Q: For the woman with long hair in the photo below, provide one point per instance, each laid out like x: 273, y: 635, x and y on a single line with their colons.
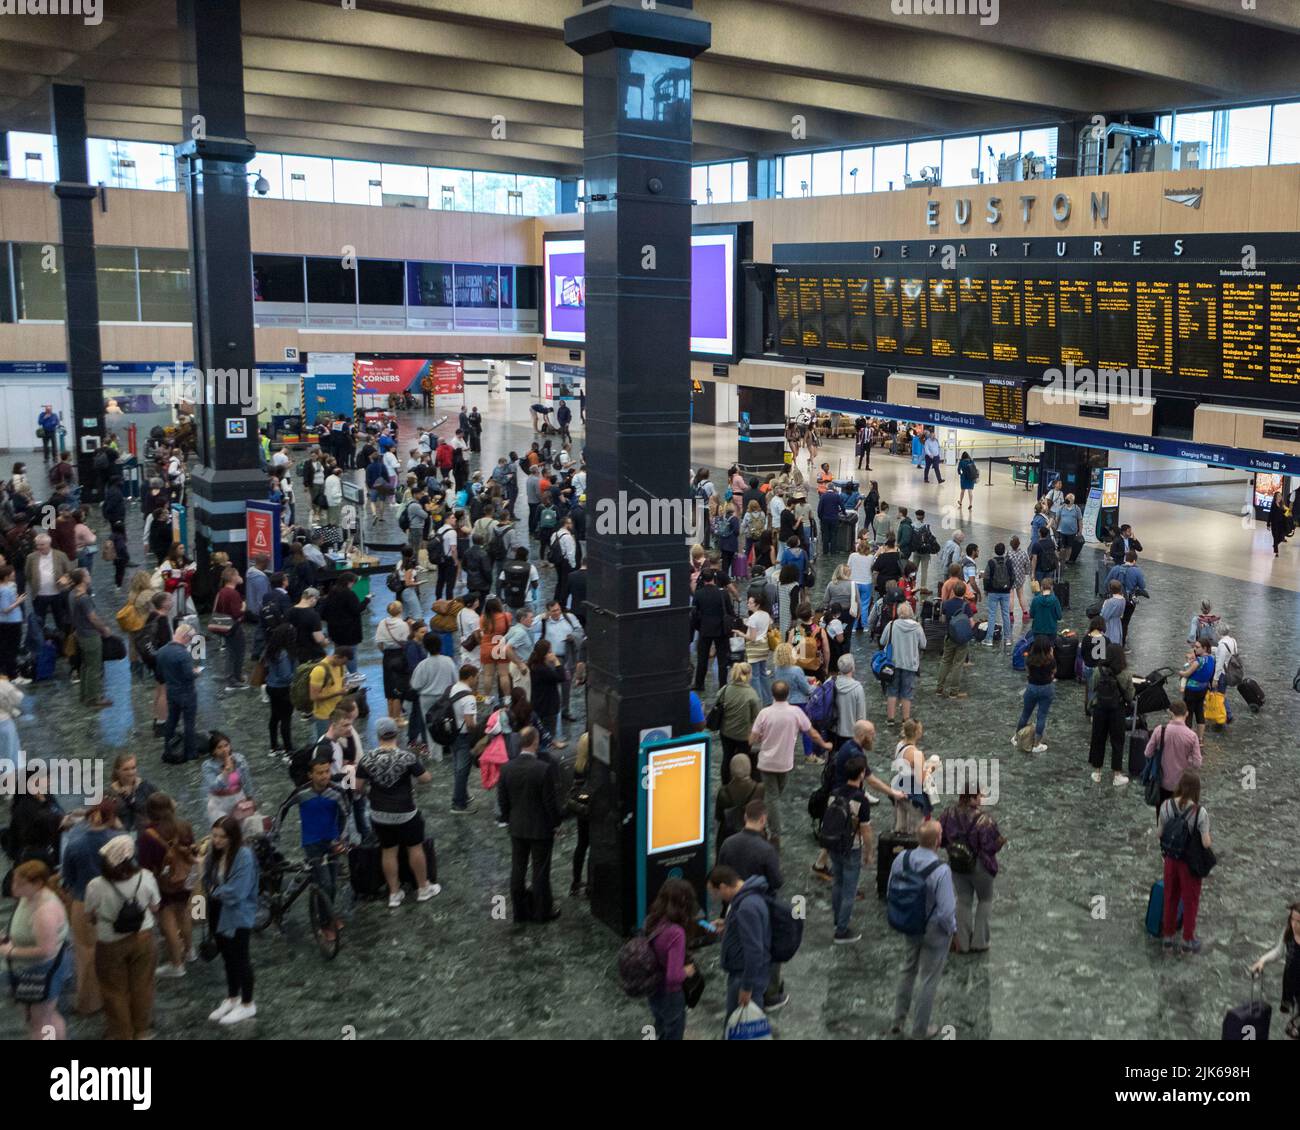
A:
x: 1182, y: 884
x: 1288, y: 948
x: 227, y: 782
x: 547, y: 676
x: 740, y: 706
x: 37, y: 950
x: 278, y: 658
x: 165, y: 847
x: 230, y: 877
x: 1040, y: 689
x: 581, y: 770
x: 391, y: 635
x: 667, y: 923
x: 967, y: 474
x: 412, y: 607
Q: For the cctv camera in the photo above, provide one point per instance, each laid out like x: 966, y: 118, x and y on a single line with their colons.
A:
x: 261, y: 186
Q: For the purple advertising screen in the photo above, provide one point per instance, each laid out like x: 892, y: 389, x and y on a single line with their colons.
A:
x: 713, y: 267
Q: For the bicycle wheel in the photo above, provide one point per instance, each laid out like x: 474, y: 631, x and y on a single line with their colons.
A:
x: 323, y: 928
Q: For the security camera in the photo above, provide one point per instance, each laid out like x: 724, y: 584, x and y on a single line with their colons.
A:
x: 261, y: 186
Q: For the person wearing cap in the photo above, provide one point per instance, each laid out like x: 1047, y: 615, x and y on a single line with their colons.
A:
x: 80, y: 863
x: 124, y: 961
x: 387, y: 773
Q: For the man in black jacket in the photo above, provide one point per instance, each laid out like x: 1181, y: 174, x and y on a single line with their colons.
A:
x: 530, y: 807
x: 750, y: 853
x: 1124, y: 541
x: 711, y: 617
x: 478, y: 569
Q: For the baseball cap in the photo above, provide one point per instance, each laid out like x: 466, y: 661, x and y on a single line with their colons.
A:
x: 386, y: 728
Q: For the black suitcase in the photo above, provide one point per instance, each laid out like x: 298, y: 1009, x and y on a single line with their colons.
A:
x: 1062, y: 590
x: 935, y: 633
x: 890, y: 844
x: 1067, y: 651
x: 1252, y: 692
x: 1137, y: 751
x: 404, y: 875
x: 1250, y: 1021
x: 367, y: 875
x: 930, y: 610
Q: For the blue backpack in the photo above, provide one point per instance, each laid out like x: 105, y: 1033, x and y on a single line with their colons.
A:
x: 907, y: 897
x: 820, y: 706
x: 1019, y: 652
x: 882, y: 663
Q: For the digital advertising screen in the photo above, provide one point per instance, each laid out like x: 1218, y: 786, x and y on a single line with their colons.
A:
x: 713, y: 293
x: 390, y: 375
x: 676, y: 794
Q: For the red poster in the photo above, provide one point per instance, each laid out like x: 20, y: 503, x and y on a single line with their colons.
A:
x: 261, y: 532
x: 448, y: 378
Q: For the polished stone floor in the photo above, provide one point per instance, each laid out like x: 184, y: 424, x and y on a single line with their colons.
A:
x: 1069, y: 957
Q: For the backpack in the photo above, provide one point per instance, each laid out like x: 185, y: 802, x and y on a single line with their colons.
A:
x: 1108, y: 692
x: 496, y: 549
x: 514, y: 586
x: 394, y: 581
x: 1046, y: 551
x: 1019, y: 652
x: 441, y: 718
x: 1205, y: 632
x: 300, y: 763
x: 130, y: 917
x: 820, y: 706
x: 555, y: 554
x: 1177, y: 836
x: 758, y: 591
x: 925, y: 541
x: 178, y: 865
x: 638, y: 967
x: 300, y: 687
x: 722, y: 526
x: 961, y: 853
x: 997, y: 578
x: 786, y: 929
x: 960, y: 629
x: 1233, y: 671
x: 839, y: 827
x: 905, y: 902
x: 547, y: 519
x: 435, y: 549
x: 271, y: 615
x: 404, y: 520
x: 755, y: 524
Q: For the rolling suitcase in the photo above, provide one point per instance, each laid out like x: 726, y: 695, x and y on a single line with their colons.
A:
x: 1067, y: 651
x: 935, y: 633
x: 1062, y: 590
x: 890, y: 844
x: 364, y: 871
x: 1137, y: 749
x: 1252, y: 692
x: 47, y: 658
x: 404, y: 875
x: 1251, y: 1020
x: 1156, y: 909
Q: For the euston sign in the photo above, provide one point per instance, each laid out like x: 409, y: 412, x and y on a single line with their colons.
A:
x: 994, y: 207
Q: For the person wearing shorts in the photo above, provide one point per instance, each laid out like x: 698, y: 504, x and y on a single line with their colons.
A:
x: 1199, y: 674
x: 905, y: 637
x: 389, y: 775
x: 494, y: 676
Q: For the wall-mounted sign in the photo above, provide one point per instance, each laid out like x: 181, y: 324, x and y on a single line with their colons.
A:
x: 575, y: 354
x: 236, y: 427
x: 721, y: 370
x: 1188, y: 197
x: 817, y: 380
x: 653, y: 588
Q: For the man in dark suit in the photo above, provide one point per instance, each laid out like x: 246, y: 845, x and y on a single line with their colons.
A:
x: 1124, y: 541
x: 711, y: 616
x: 530, y: 806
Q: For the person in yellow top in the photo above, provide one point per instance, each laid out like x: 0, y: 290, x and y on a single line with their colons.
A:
x: 328, y: 685
x: 264, y: 442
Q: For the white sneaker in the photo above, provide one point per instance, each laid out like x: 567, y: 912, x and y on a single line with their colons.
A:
x: 1096, y: 777
x: 193, y: 955
x: 21, y: 681
x: 167, y: 969
x: 396, y: 900
x: 240, y: 1013
x: 219, y: 1013
x: 428, y: 891
x: 1119, y: 779
x: 1039, y: 748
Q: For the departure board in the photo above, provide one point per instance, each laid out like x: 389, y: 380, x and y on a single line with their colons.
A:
x: 973, y: 293
x: 1196, y: 340
x: 787, y: 311
x: 1194, y: 325
x: 1076, y: 323
x: 1154, y: 325
x: 1114, y: 323
x: 945, y: 328
x: 1004, y: 403
x: 1008, y: 326
x: 914, y: 321
x: 1284, y: 333
x: 859, y: 313
x: 835, y: 313
x: 1243, y: 328
x: 885, y: 305
x: 1042, y: 341
x: 810, y: 312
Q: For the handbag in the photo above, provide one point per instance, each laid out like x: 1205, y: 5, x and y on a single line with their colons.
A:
x: 1152, y: 774
x: 220, y: 624
x: 1200, y: 860
x: 1216, y: 709
x: 713, y: 720
x: 773, y: 639
x: 257, y: 676
x: 114, y: 649
x: 693, y: 988
x: 32, y: 985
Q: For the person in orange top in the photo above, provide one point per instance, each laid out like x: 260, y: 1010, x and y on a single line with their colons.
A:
x: 824, y: 478
x: 494, y: 675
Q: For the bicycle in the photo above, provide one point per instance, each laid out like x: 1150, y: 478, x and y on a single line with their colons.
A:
x: 279, y: 887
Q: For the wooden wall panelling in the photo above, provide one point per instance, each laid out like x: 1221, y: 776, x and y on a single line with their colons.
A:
x: 1210, y: 426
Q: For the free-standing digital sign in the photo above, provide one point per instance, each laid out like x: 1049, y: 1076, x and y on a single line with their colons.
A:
x: 713, y: 292
x: 672, y: 815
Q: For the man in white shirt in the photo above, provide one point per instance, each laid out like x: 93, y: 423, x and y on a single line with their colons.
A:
x: 774, y: 509
x: 465, y: 710
x: 390, y: 467
x: 933, y: 456
x: 564, y: 633
x: 280, y: 462
x: 449, y: 563
x: 432, y: 676
x: 333, y: 499
x: 467, y: 624
x: 44, y: 568
x: 565, y: 559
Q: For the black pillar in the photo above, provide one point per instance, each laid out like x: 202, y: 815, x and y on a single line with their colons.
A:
x: 637, y: 123
x: 80, y: 286
x: 214, y: 161
x: 761, y: 424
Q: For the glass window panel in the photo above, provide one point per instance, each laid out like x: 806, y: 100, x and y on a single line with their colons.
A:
x: 309, y: 178
x: 429, y: 284
x: 961, y: 158
x: 700, y: 184
x: 826, y: 173
x: 381, y: 282
x: 115, y: 276
x: 1285, y: 144
x: 539, y: 195
x: 329, y: 281
x: 352, y: 183
x: 40, y: 291
x: 451, y: 189
x: 165, y: 285
x: 131, y: 164
x: 271, y: 166
x: 1197, y: 126
x: 739, y: 181
x: 1165, y: 124
x: 31, y: 157
x: 477, y: 296
x: 1040, y: 142
x: 798, y: 175
x: 720, y: 183
x: 1001, y: 145
x: 405, y: 180
x: 582, y: 191
x: 923, y: 154
x: 277, y: 278
x: 6, y: 294
x: 1242, y: 137
x: 519, y: 289
x: 491, y: 191
x: 856, y: 174
x: 890, y: 161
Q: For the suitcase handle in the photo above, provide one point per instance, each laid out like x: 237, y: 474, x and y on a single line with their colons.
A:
x: 1256, y: 979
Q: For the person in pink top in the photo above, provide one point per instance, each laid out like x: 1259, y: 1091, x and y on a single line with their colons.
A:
x: 673, y: 912
x: 777, y: 729
x: 1181, y: 749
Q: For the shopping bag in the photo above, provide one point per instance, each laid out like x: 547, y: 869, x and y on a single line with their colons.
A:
x: 1215, y: 708
x: 748, y: 1022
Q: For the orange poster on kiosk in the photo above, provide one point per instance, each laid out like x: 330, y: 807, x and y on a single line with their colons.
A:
x: 675, y: 801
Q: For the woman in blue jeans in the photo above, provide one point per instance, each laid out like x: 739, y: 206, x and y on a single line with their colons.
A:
x: 1040, y: 691
x: 673, y: 912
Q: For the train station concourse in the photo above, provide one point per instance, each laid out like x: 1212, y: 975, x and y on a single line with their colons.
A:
x: 632, y: 521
